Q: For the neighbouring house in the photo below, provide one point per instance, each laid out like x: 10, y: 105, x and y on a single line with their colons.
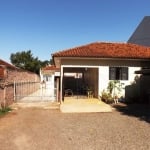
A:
x: 141, y: 36
x: 50, y: 76
x: 93, y: 66
x: 9, y: 75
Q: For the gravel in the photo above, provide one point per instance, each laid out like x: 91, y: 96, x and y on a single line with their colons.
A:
x: 49, y: 129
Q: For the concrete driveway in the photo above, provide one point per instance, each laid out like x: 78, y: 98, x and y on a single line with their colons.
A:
x: 49, y: 129
x: 82, y: 105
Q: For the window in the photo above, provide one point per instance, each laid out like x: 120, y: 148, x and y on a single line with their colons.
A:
x: 118, y: 73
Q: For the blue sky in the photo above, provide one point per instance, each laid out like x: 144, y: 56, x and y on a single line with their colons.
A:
x: 47, y: 26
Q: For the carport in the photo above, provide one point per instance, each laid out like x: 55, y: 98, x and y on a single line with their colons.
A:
x: 80, y: 80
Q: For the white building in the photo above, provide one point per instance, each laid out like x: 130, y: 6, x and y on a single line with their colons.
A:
x: 99, y: 63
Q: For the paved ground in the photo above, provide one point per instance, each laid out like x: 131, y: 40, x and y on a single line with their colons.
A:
x: 72, y: 105
x: 126, y: 128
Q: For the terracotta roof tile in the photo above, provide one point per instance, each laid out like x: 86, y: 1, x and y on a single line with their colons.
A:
x: 52, y: 67
x: 107, y: 50
x: 6, y: 64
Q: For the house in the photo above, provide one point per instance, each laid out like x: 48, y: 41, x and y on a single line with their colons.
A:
x: 9, y: 75
x: 50, y: 76
x: 93, y: 66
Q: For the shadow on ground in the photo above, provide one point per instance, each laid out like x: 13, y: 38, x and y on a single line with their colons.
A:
x: 141, y: 111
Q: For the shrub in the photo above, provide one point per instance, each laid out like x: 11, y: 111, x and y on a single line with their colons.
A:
x: 106, y: 97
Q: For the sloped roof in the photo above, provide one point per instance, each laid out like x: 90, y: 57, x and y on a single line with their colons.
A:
x: 107, y: 50
x: 141, y: 35
x: 6, y: 64
x: 3, y: 65
x: 50, y: 67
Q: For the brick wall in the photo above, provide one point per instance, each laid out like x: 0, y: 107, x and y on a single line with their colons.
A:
x: 21, y: 75
x: 9, y: 96
x: 7, y: 84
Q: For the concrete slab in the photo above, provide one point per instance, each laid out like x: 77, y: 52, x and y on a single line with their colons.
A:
x: 71, y: 105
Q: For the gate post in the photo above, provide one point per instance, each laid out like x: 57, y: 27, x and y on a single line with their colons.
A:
x: 14, y: 91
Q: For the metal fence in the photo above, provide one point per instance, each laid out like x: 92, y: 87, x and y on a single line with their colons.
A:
x: 28, y: 91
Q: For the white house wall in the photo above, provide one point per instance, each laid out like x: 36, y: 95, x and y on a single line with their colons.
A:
x: 49, y: 83
x: 104, y: 62
x: 103, y: 69
x: 132, y: 74
x: 104, y: 78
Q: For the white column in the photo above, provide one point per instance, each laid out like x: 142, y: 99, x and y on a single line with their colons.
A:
x: 57, y: 89
x: 61, y: 83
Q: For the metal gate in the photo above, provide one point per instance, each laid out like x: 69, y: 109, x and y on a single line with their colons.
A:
x: 28, y: 91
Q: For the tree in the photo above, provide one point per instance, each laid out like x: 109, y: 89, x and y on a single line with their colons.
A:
x: 25, y: 60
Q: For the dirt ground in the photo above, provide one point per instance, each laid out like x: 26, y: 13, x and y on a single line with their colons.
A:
x: 126, y: 128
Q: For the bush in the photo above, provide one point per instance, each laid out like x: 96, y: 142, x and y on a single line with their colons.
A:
x: 106, y: 97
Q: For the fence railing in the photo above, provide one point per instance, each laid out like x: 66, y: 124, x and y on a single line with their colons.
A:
x: 34, y: 91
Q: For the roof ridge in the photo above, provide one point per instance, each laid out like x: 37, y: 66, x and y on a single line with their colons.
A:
x: 79, y: 46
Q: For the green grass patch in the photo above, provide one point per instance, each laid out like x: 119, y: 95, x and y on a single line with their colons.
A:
x: 4, y: 111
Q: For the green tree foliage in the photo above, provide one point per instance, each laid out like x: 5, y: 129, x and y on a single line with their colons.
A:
x: 26, y: 60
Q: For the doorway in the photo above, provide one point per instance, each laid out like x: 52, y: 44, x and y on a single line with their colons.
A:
x: 79, y: 81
